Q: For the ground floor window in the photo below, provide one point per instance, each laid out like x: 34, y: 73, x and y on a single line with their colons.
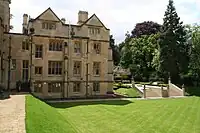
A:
x: 55, y: 67
x: 54, y: 87
x: 76, y: 87
x: 38, y: 70
x: 96, y: 87
x: 38, y: 87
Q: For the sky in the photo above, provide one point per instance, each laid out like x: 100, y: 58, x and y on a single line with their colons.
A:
x: 119, y: 16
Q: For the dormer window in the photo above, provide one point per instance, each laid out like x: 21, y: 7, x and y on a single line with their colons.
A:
x: 94, y: 31
x: 49, y: 25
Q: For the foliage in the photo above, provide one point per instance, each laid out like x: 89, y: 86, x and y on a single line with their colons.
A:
x: 145, y: 28
x: 193, y: 91
x: 138, y: 55
x: 173, y: 48
x: 115, y: 51
x: 177, y: 54
x: 127, y: 40
x: 195, y: 52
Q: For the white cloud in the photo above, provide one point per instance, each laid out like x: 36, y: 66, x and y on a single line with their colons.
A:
x: 120, y: 16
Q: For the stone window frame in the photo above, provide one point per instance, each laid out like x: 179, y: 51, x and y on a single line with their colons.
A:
x: 77, y: 47
x: 96, y: 86
x: 96, y: 68
x: 77, y: 87
x: 55, y: 67
x: 38, y: 51
x: 55, y: 87
x: 94, y: 31
x: 55, y: 46
x: 38, y: 87
x: 49, y: 25
x: 14, y: 64
x: 77, y: 68
x: 25, y: 45
x: 97, y: 48
x: 38, y: 70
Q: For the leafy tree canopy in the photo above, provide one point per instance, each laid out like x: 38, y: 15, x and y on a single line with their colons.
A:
x: 145, y: 28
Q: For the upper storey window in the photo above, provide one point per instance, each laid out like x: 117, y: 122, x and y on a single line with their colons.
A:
x: 94, y: 31
x: 49, y: 25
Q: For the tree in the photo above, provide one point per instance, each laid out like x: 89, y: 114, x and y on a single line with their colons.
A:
x: 126, y: 41
x: 194, y: 32
x: 115, y: 51
x: 138, y: 55
x: 173, y: 48
x: 145, y: 28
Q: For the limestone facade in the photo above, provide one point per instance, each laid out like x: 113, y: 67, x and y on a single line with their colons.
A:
x: 61, y: 54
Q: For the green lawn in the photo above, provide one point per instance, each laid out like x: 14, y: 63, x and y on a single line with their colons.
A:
x: 137, y: 116
x: 130, y: 92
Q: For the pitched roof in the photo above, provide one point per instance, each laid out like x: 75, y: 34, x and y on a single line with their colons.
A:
x: 94, y: 15
x: 31, y: 20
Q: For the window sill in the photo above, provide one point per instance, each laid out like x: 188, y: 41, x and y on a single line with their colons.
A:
x: 54, y: 93
x: 54, y: 51
x: 38, y: 75
x: 76, y: 93
x: 77, y: 75
x: 24, y: 50
x: 96, y: 91
x: 53, y: 75
x: 77, y: 53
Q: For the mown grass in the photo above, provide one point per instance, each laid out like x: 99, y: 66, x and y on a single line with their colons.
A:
x: 129, y: 92
x: 42, y: 118
x: 137, y: 116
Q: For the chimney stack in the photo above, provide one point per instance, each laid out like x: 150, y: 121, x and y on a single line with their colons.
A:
x: 25, y: 19
x: 25, y: 23
x: 82, y: 17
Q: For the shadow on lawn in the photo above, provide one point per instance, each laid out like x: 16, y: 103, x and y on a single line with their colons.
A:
x: 88, y: 103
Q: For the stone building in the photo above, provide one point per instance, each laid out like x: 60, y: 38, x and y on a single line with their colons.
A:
x: 58, y: 58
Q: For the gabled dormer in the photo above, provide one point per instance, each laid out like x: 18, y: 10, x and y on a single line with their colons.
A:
x: 48, y: 19
x: 47, y: 23
x: 93, y: 26
x: 94, y: 21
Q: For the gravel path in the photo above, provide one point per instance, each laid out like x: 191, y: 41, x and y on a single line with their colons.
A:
x: 12, y: 114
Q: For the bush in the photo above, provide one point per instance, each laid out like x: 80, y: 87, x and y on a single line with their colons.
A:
x: 120, y: 85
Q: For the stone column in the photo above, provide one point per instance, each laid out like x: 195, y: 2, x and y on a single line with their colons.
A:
x: 169, y: 80
x: 162, y: 90
x: 183, y: 89
x: 168, y: 91
x: 144, y: 91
